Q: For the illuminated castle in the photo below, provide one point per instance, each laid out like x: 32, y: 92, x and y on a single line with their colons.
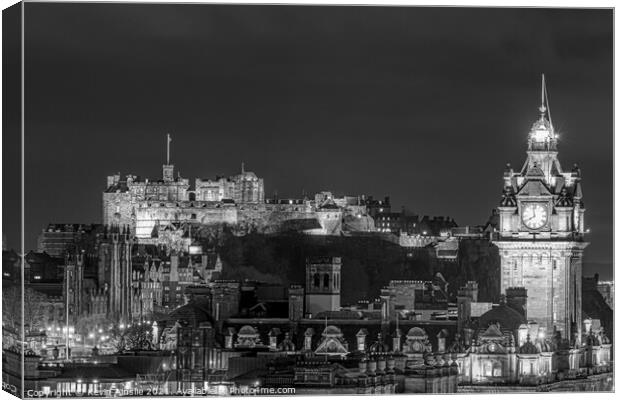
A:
x: 150, y: 206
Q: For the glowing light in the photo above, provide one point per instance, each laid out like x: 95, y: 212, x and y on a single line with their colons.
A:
x: 122, y: 326
x: 540, y: 135
x: 100, y: 330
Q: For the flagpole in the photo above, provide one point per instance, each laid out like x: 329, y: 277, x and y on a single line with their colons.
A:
x: 168, y: 149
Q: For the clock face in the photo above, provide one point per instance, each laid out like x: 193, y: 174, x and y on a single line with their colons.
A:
x: 534, y: 215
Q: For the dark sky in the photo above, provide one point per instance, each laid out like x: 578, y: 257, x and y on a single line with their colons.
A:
x: 424, y: 105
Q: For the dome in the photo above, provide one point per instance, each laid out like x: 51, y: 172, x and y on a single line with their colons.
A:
x: 544, y: 346
x: 193, y: 313
x: 287, y: 344
x: 603, y: 338
x: 379, y: 346
x: 528, y: 347
x: 247, y: 330
x: 592, y: 340
x: 332, y: 331
x: 542, y: 124
x: 507, y: 317
x: 416, y: 333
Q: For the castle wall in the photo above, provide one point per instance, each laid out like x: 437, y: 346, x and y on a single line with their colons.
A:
x: 267, y: 218
x: 149, y: 214
x: 117, y: 208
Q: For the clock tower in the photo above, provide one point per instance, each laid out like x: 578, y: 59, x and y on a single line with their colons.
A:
x: 541, y: 231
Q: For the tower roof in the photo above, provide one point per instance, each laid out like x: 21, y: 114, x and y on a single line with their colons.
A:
x: 534, y: 187
x: 528, y: 347
x: 506, y: 316
x: 542, y: 136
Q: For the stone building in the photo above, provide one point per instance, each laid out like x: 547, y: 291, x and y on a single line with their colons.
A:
x: 122, y: 197
x: 57, y: 239
x: 245, y: 187
x: 420, y: 300
x: 541, y: 232
x: 323, y: 284
x: 115, y: 270
x: 149, y: 206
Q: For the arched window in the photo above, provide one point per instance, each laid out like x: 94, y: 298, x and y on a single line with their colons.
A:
x: 497, y: 368
x: 490, y: 368
x: 317, y: 280
x: 326, y: 281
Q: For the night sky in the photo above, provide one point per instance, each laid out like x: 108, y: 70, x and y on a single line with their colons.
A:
x: 424, y: 105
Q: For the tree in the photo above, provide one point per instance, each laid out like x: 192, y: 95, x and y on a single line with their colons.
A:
x: 137, y: 337
x: 34, y: 305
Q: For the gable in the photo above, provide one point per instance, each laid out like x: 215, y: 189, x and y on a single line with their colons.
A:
x: 331, y: 346
x: 534, y: 188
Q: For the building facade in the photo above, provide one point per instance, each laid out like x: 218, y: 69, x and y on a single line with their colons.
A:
x: 541, y: 232
x: 323, y: 284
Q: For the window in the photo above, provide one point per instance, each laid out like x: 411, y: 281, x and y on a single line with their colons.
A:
x: 317, y: 280
x: 492, y: 368
x: 326, y: 281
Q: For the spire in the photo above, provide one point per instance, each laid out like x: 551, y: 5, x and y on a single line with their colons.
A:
x: 545, y: 102
x: 542, y: 136
x: 242, y: 167
x: 543, y: 90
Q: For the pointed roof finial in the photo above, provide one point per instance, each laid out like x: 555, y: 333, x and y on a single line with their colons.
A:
x: 242, y: 167
x: 543, y: 91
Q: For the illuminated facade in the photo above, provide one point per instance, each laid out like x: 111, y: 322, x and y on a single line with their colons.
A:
x: 541, y: 232
x: 323, y: 284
